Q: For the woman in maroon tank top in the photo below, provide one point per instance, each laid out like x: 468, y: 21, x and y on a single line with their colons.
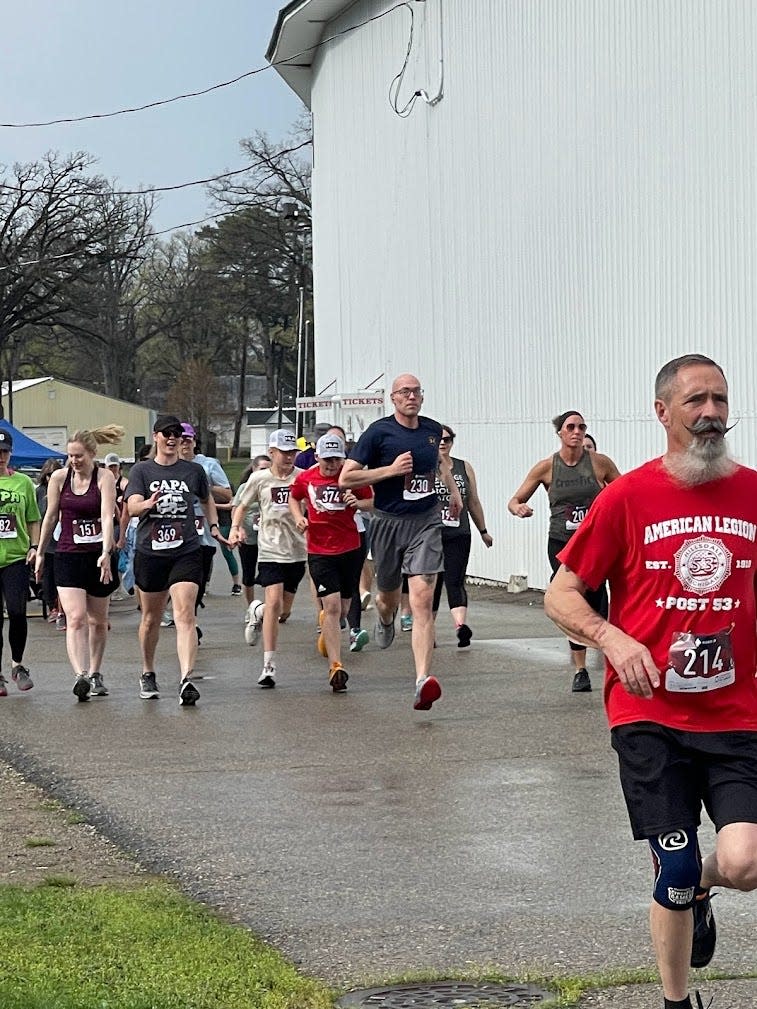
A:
x: 82, y: 497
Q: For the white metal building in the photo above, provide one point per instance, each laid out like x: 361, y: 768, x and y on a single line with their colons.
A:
x: 570, y: 203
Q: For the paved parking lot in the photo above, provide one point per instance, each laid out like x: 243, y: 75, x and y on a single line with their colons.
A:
x: 362, y: 838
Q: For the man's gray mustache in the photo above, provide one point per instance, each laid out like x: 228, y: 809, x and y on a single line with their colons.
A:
x: 704, y: 426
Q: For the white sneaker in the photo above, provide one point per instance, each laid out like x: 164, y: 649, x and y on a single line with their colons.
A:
x: 254, y: 625
x: 267, y: 678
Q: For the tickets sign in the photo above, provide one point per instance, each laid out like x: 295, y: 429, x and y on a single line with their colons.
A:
x: 315, y: 403
x: 351, y: 400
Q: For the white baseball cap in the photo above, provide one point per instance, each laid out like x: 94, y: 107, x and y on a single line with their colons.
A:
x: 283, y: 440
x: 330, y: 446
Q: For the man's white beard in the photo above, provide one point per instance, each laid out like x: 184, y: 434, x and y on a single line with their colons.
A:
x: 704, y: 460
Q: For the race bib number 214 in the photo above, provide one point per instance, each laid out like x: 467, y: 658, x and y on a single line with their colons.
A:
x: 698, y: 663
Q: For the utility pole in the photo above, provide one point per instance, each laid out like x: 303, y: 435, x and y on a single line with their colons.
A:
x: 300, y: 217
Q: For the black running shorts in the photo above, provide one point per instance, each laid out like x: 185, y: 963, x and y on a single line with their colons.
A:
x: 158, y: 574
x: 79, y: 570
x: 336, y: 573
x: 667, y: 775
x: 289, y: 575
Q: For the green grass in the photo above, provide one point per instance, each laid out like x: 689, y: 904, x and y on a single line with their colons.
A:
x: 234, y: 469
x: 39, y: 842
x: 59, y: 881
x: 67, y: 946
x: 98, y: 948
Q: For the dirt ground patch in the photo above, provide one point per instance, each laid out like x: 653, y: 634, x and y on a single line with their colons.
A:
x: 40, y: 840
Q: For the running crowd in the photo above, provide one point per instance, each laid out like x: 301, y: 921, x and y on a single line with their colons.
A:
x: 655, y: 568
x: 401, y: 503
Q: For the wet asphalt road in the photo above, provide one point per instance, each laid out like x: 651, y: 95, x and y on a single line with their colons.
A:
x: 362, y: 838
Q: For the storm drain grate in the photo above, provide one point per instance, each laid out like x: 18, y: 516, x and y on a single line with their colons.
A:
x: 452, y: 994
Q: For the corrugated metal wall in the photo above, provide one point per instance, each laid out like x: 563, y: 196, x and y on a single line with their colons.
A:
x: 578, y: 209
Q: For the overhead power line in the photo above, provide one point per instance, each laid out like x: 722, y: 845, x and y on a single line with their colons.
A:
x: 155, y: 189
x: 213, y: 87
x: 154, y: 234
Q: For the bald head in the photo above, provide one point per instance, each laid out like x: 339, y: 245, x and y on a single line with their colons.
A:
x: 406, y: 381
x: 407, y: 398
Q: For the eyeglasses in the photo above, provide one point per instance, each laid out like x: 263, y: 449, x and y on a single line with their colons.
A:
x: 575, y: 427
x: 406, y: 393
x: 187, y: 437
x: 171, y: 432
x: 445, y: 441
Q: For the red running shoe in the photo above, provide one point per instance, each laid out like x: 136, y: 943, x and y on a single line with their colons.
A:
x: 427, y: 691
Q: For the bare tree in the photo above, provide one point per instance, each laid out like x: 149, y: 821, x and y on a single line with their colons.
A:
x: 278, y: 172
x: 194, y: 395
x: 52, y: 236
x: 104, y: 300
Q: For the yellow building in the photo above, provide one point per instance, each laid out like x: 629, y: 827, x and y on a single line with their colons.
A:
x: 49, y: 411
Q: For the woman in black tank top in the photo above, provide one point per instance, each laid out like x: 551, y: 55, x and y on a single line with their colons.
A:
x: 456, y: 535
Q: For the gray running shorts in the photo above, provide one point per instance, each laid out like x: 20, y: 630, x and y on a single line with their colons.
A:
x: 405, y: 545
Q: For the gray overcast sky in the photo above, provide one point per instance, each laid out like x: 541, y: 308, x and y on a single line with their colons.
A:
x: 76, y: 57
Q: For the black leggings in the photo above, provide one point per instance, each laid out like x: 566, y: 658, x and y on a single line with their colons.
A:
x: 208, y: 553
x: 14, y: 592
x: 355, y: 614
x: 456, y: 554
x: 596, y: 598
x: 49, y: 591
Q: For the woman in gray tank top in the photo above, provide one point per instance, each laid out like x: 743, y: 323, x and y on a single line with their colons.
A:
x: 572, y: 478
x: 456, y: 535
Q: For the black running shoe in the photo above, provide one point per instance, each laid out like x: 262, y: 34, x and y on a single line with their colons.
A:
x: 705, y: 933
x: 581, y: 682
x: 267, y: 679
x: 148, y: 687
x: 189, y: 695
x: 82, y: 687
x: 20, y: 676
x: 464, y: 634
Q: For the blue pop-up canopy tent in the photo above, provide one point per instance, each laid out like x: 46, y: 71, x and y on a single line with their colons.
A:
x: 27, y: 451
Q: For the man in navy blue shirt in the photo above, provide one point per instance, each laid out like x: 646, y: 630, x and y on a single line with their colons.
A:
x: 398, y: 456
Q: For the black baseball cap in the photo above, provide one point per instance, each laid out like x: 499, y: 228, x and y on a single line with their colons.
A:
x: 166, y: 420
x: 6, y: 439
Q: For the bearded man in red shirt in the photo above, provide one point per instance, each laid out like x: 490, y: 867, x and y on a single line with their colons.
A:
x: 677, y: 541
